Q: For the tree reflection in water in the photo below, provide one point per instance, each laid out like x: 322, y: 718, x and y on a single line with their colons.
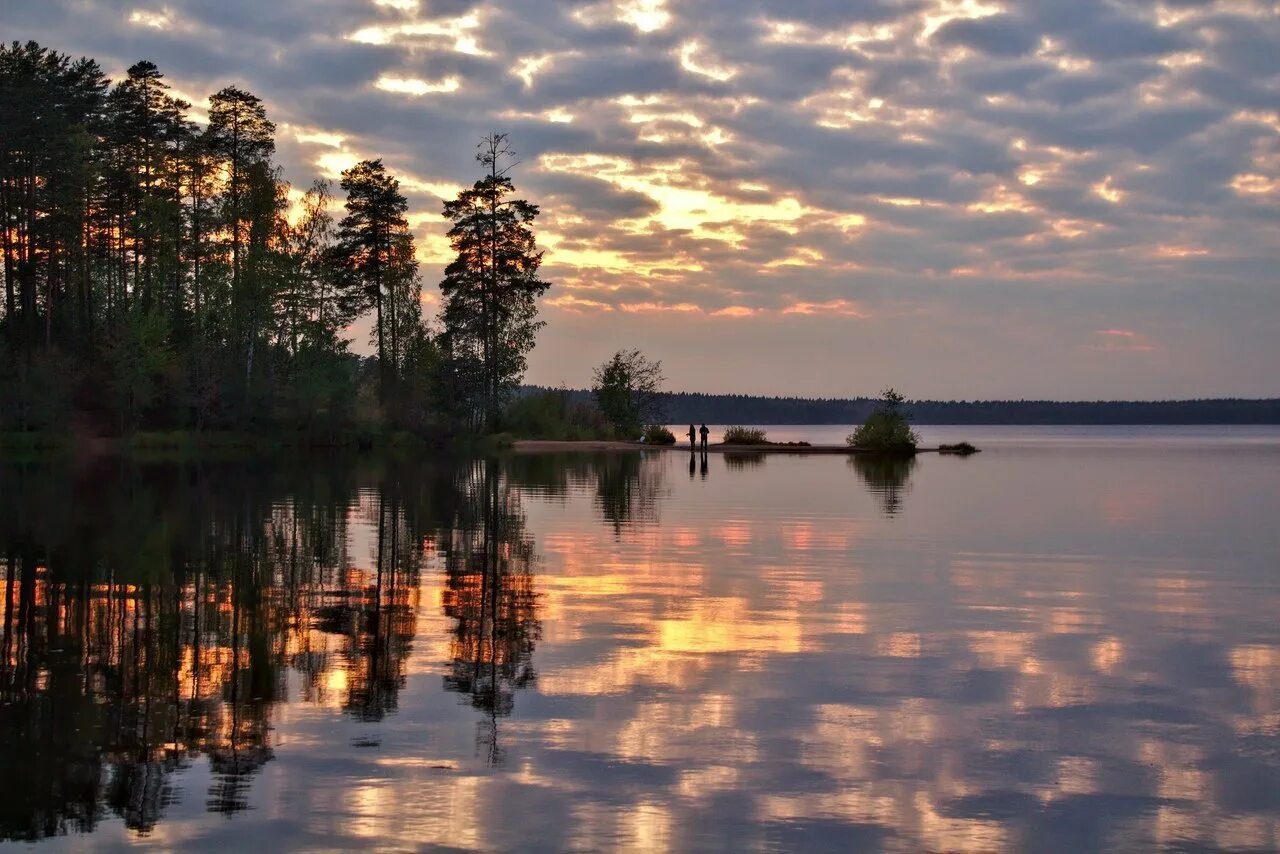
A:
x: 488, y: 561
x: 888, y: 478
x: 154, y: 615
x: 151, y: 615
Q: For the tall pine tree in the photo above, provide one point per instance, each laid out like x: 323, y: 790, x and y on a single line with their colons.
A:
x: 491, y: 288
x: 376, y: 264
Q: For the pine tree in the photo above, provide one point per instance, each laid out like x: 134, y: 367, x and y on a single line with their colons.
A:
x: 375, y: 261
x: 238, y: 139
x: 491, y: 289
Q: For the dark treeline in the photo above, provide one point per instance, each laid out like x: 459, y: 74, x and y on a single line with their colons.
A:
x: 158, y: 273
x: 692, y: 407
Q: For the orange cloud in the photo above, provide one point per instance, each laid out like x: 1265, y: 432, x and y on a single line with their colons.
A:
x: 568, y: 302
x: 1122, y: 341
x: 841, y: 307
x: 645, y: 307
x: 736, y: 311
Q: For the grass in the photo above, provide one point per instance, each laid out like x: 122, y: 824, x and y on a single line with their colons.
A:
x: 745, y: 436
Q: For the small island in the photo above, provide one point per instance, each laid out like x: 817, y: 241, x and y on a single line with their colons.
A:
x: 624, y: 402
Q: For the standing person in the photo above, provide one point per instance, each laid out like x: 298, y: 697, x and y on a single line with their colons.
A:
x: 704, y: 433
x: 693, y: 441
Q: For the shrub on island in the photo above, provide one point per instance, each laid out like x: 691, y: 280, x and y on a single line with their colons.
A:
x: 745, y: 436
x: 963, y: 449
x: 887, y: 429
x: 656, y: 434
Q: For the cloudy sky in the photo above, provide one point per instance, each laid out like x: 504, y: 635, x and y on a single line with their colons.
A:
x: 963, y: 198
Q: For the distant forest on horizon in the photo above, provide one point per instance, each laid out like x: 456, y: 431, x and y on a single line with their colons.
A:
x: 682, y: 407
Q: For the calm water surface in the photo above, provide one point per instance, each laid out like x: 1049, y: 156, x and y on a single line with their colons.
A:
x: 1069, y: 642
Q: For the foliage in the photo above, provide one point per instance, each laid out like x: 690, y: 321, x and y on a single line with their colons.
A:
x: 963, y: 449
x: 745, y: 436
x: 552, y: 415
x: 153, y: 279
x: 656, y: 434
x: 626, y: 388
x: 887, y: 429
x: 140, y: 361
x: 376, y: 268
x: 490, y: 288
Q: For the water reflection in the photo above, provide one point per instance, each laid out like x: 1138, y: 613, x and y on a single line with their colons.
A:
x: 150, y: 616
x: 611, y: 656
x: 744, y: 460
x: 888, y: 478
x: 490, y: 596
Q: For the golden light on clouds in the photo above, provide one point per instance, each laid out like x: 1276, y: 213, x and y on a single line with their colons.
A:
x: 308, y: 136
x: 1108, y: 192
x: 161, y: 20
x: 1255, y: 185
x: 334, y: 163
x: 801, y: 257
x: 1169, y: 251
x: 458, y: 32
x: 417, y: 86
x: 646, y: 16
x: 693, y: 60
x: 703, y: 212
x: 837, y: 307
x: 659, y: 307
x: 945, y: 11
x: 570, y: 302
x: 1001, y: 199
x: 752, y: 185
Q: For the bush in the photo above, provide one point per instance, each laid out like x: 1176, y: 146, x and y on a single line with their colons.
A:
x: 964, y: 449
x: 656, y: 434
x: 551, y: 415
x: 744, y: 436
x: 887, y: 429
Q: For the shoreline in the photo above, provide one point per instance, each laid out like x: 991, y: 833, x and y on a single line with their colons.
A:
x: 546, y: 446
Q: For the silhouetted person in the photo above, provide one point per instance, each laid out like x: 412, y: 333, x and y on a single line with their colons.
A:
x: 704, y: 432
x: 693, y: 439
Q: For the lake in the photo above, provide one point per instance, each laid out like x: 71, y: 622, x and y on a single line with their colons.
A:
x: 1069, y: 642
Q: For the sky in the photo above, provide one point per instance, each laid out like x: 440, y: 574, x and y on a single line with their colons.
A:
x: 960, y: 198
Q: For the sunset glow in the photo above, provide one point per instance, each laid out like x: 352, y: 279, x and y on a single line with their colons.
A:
x: 935, y: 165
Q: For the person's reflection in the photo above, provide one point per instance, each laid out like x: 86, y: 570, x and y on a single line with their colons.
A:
x: 704, y: 465
x: 693, y: 464
x: 887, y: 478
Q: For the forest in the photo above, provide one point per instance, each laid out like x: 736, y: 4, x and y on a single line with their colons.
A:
x: 693, y: 407
x: 161, y: 275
